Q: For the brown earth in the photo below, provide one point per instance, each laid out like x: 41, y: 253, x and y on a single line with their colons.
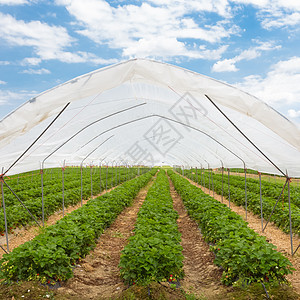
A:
x: 97, y: 276
x: 202, y: 277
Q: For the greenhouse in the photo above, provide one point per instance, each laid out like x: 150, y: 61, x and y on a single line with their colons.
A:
x: 124, y: 121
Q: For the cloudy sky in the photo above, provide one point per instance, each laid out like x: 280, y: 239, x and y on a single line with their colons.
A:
x: 252, y: 44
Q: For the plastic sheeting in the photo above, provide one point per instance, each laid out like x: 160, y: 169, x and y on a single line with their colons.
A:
x: 150, y: 113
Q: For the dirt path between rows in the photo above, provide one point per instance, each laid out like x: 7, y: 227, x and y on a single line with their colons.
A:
x: 97, y: 276
x: 27, y: 233
x: 202, y: 277
x: 272, y: 233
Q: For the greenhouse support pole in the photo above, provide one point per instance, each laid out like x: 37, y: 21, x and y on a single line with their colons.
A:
x: 91, y: 167
x: 244, y: 135
x: 127, y: 172
x: 117, y: 173
x: 261, y: 208
x: 63, y: 189
x: 296, y: 249
x: 245, y: 170
x: 290, y: 216
x: 212, y: 183
x: 209, y: 181
x: 276, y: 204
x: 229, y: 186
x: 197, y: 176
x: 112, y: 174
x: 43, y: 206
x: 21, y: 202
x: 37, y: 138
x: 81, y: 183
x: 106, y: 177
x: 100, y: 176
x: 201, y: 175
x: 204, y: 179
x: 222, y: 183
x: 4, y: 212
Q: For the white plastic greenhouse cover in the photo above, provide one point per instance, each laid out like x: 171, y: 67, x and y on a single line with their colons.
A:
x: 151, y: 113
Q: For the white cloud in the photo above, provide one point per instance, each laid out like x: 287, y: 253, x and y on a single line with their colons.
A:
x: 228, y: 65
x: 281, y: 85
x: 154, y: 28
x: 38, y: 71
x: 294, y: 113
x: 220, y: 7
x: 2, y: 82
x: 8, y: 97
x: 4, y: 63
x: 225, y: 65
x: 48, y: 42
x: 13, y: 2
x: 31, y: 61
x: 275, y: 13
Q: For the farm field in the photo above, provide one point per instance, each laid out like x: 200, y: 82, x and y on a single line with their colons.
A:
x: 273, y: 234
x: 270, y: 194
x: 191, y: 266
x: 61, y: 188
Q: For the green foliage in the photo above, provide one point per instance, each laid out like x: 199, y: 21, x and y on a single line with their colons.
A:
x: 51, y: 254
x: 154, y: 252
x: 28, y: 189
x: 270, y: 194
x: 243, y: 255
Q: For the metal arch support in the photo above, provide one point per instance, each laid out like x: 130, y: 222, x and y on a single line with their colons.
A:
x: 21, y: 202
x: 38, y: 137
x: 222, y: 179
x: 290, y: 217
x: 276, y: 204
x: 4, y: 212
x: 245, y: 136
x: 261, y: 206
x: 87, y: 126
x: 228, y: 186
x: 245, y: 170
x: 166, y: 118
x: 86, y: 158
x: 63, y: 188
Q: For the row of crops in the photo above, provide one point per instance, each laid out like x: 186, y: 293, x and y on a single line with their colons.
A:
x: 235, y: 190
x: 243, y: 255
x: 154, y: 252
x: 61, y: 188
x: 52, y: 254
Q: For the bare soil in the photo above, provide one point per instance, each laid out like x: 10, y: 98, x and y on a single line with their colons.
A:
x: 97, y: 276
x: 272, y: 233
x: 202, y: 277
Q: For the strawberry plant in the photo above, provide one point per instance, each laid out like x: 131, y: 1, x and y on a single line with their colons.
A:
x: 52, y: 253
x: 29, y: 191
x: 237, y: 195
x: 243, y: 255
x: 154, y: 252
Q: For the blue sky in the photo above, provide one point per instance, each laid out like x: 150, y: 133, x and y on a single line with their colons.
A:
x: 251, y: 44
